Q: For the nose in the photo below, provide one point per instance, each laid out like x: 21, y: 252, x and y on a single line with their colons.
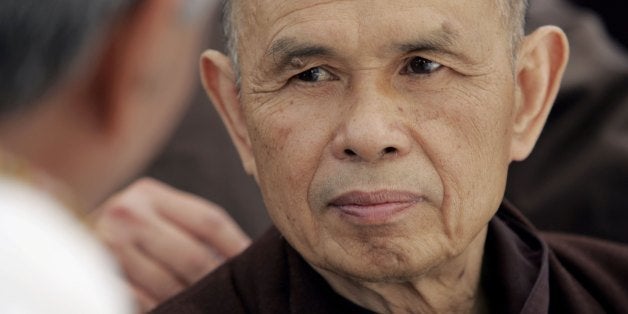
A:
x: 371, y: 131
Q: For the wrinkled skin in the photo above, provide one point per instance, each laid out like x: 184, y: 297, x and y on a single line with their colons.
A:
x: 381, y: 132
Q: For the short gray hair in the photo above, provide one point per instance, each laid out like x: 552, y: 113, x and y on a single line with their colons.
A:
x: 41, y: 40
x: 231, y: 35
x: 514, y: 16
x: 513, y: 12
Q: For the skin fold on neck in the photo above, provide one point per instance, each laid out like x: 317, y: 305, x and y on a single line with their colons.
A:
x: 451, y: 287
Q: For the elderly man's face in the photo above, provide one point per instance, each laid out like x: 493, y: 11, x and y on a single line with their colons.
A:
x: 381, y: 131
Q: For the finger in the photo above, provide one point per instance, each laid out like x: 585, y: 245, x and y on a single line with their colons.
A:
x: 144, y: 300
x: 205, y: 220
x: 131, y: 218
x: 178, y: 251
x: 210, y: 224
x: 157, y: 283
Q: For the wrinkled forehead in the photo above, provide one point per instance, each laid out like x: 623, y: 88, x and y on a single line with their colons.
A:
x: 372, y: 23
x: 270, y: 11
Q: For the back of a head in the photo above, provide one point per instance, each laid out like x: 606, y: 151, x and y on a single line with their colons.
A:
x: 91, y: 88
x: 40, y: 41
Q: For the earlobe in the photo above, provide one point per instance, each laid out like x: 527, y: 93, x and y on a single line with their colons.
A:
x: 219, y: 81
x: 540, y: 65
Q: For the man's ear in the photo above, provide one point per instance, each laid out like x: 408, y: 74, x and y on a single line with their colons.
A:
x: 219, y: 81
x: 145, y: 65
x: 539, y: 69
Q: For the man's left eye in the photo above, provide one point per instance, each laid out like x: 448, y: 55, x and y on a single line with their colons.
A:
x: 316, y: 74
x: 418, y: 65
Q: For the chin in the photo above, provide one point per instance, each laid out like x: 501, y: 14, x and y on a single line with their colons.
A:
x: 380, y: 265
x: 377, y: 274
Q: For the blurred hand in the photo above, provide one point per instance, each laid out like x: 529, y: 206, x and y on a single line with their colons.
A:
x: 165, y: 239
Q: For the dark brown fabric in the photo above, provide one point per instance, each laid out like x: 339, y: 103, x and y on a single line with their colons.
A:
x: 583, y: 270
x: 514, y: 270
x: 523, y: 272
x: 270, y: 277
x: 530, y: 272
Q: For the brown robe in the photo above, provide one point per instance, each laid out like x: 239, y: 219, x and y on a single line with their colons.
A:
x: 523, y: 272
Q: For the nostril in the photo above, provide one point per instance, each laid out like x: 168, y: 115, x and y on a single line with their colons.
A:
x: 390, y: 150
x: 349, y: 152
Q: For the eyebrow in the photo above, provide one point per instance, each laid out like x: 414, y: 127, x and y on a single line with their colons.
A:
x: 286, y: 52
x: 441, y: 41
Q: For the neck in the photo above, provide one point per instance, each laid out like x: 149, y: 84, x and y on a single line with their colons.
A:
x: 27, y: 173
x: 452, y: 287
x: 57, y: 140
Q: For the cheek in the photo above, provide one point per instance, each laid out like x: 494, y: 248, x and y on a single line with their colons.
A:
x: 466, y: 134
x: 288, y: 139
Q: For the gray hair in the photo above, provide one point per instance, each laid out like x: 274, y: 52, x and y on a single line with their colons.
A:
x: 514, y: 17
x: 512, y: 11
x: 231, y: 36
x: 41, y: 40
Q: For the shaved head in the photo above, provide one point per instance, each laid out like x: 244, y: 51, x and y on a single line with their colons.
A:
x: 512, y: 11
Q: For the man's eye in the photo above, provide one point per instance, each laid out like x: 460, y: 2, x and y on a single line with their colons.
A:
x: 316, y: 74
x: 418, y: 65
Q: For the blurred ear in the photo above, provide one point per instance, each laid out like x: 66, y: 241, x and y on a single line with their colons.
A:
x: 147, y: 64
x: 220, y: 83
x: 540, y: 65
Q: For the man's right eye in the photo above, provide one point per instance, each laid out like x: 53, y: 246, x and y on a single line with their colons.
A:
x: 314, y: 75
x: 421, y: 66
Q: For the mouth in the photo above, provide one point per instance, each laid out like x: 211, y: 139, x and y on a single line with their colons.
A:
x: 372, y: 208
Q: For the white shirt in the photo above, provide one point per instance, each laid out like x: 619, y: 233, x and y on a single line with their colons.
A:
x: 49, y: 262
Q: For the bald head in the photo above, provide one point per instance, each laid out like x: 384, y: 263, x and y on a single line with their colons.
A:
x: 234, y: 14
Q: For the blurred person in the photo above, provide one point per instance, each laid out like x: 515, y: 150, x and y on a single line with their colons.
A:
x: 165, y: 239
x: 88, y: 92
x: 380, y: 138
